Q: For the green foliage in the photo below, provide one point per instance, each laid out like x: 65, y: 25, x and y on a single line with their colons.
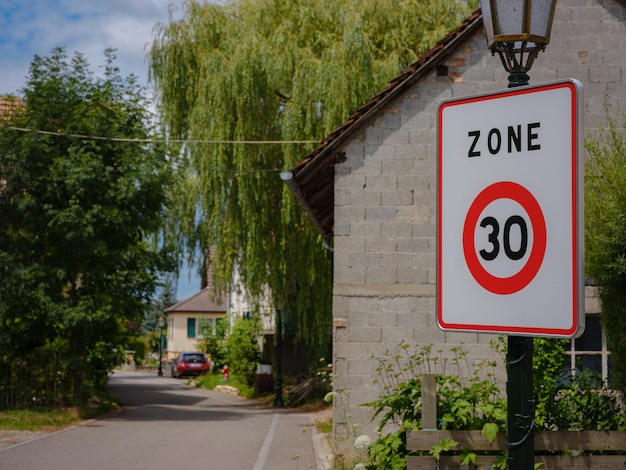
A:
x: 549, y: 375
x: 470, y: 398
x: 212, y: 380
x: 166, y: 297
x: 242, y: 350
x: 501, y: 463
x: 51, y: 376
x: 443, y: 445
x: 139, y: 344
x: 565, y: 402
x: 475, y: 404
x: 467, y: 457
x: 585, y: 405
x: 272, y: 70
x: 605, y: 227
x: 37, y: 420
x: 213, y: 343
x: 467, y: 400
x: 76, y: 261
x: 388, y: 452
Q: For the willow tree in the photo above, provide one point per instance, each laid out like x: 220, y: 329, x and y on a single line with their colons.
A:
x: 282, y: 71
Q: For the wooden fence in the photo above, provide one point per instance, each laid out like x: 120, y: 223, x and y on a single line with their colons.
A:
x: 556, y: 450
x: 568, y: 444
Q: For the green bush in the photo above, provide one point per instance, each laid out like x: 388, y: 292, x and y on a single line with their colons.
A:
x: 471, y: 398
x: 466, y: 400
x: 140, y: 346
x: 565, y: 402
x: 242, y: 350
x: 213, y: 343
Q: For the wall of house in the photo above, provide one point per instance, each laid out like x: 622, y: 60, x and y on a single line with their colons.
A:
x: 239, y: 304
x: 385, y: 212
x: 177, y: 337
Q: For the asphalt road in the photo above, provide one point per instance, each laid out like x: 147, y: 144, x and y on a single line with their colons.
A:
x: 168, y: 425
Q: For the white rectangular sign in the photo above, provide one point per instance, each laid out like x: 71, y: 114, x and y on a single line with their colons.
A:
x: 510, y: 212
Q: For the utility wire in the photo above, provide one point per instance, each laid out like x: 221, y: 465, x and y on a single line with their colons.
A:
x: 170, y: 141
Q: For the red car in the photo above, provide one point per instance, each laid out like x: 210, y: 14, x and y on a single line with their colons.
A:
x: 190, y: 363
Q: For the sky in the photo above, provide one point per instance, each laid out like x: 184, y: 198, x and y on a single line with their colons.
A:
x: 35, y: 27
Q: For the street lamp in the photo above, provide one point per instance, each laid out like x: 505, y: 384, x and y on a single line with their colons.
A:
x: 161, y: 325
x: 278, y: 386
x: 518, y: 30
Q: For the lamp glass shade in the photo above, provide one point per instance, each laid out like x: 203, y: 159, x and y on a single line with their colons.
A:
x: 510, y: 17
x: 541, y: 18
x: 485, y: 6
x: 161, y: 322
x: 512, y: 21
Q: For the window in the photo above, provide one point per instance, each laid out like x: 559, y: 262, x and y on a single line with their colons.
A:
x: 589, y: 352
x: 191, y: 327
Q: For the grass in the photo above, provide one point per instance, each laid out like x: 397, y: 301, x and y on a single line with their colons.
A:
x: 213, y: 379
x: 38, y: 420
x: 48, y: 419
x: 324, y: 425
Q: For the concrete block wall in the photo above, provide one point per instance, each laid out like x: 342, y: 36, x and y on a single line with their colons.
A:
x: 385, y: 207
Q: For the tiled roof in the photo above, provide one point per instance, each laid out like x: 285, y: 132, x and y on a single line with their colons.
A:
x: 199, y: 303
x: 313, y: 177
x: 8, y: 106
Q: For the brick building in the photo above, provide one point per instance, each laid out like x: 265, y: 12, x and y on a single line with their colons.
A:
x: 370, y: 189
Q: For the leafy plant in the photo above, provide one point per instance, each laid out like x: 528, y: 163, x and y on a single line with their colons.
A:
x: 567, y: 402
x: 470, y: 398
x: 442, y: 446
x: 605, y: 230
x: 213, y: 342
x: 242, y: 350
x: 388, y: 452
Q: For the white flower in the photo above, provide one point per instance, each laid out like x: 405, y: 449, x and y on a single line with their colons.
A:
x: 360, y: 466
x: 362, y: 442
x: 328, y: 398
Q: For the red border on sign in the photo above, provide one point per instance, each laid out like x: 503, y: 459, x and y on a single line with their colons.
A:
x: 517, y: 282
x: 513, y: 329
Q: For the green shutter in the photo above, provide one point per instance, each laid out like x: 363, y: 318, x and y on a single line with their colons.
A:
x: 191, y: 327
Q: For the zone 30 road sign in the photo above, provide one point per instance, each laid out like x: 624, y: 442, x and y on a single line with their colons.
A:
x: 510, y: 212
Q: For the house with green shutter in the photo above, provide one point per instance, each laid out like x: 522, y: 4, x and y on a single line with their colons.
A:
x: 187, y: 319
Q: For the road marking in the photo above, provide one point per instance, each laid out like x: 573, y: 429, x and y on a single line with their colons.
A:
x: 265, y: 448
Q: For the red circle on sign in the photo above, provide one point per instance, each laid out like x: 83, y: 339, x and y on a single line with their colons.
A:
x: 519, y: 194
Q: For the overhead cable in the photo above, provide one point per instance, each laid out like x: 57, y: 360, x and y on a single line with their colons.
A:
x: 155, y: 141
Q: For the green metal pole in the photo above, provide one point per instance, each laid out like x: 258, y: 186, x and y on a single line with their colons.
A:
x: 521, y: 407
x: 520, y: 439
x: 160, y: 372
x: 278, y: 386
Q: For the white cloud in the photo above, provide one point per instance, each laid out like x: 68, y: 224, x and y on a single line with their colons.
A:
x: 34, y: 27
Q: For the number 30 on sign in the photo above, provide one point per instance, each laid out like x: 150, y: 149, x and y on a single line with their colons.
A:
x: 509, y: 241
